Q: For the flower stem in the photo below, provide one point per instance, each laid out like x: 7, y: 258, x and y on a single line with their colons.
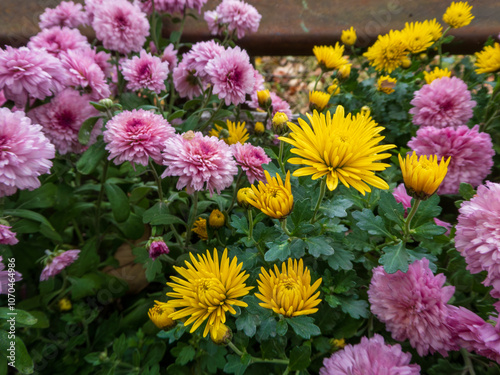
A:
x: 192, y: 216
x: 153, y: 27
x: 322, y: 191
x: 440, y: 47
x: 317, y: 80
x: 235, y: 349
x: 99, y: 200
x: 203, y: 127
x: 157, y: 179
x: 259, y: 360
x: 283, y: 226
x: 181, y: 29
x: 159, y: 105
x: 280, y: 157
x: 410, y: 216
x: 469, y: 367
x: 235, y: 194
x: 250, y: 224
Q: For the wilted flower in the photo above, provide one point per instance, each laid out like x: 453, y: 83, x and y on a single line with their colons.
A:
x: 200, y: 228
x: 159, y: 315
x: 207, y: 291
x: 371, y: 356
x: 288, y: 292
x: 274, y: 198
x: 216, y: 219
x: 136, y: 136
x: 340, y: 147
x: 7, y: 237
x: 58, y: 261
x: 67, y: 13
x: 330, y: 57
x: 145, y: 72
x: 318, y: 100
x: 386, y: 84
x: 488, y: 60
x: 436, y: 74
x: 251, y: 159
x: 458, y: 14
x: 25, y: 153
x: 348, y: 36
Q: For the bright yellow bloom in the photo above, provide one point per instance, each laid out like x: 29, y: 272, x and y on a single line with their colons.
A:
x: 259, y: 128
x: 279, y: 122
x: 236, y: 132
x: 435, y: 29
x: 318, y: 100
x: 344, y: 71
x: 423, y: 176
x: 406, y: 63
x: 275, y: 199
x: 365, y: 111
x: 64, y: 304
x: 330, y: 57
x: 386, y: 84
x: 334, y: 88
x: 417, y: 36
x: 341, y: 147
x: 159, y: 315
x: 200, y: 228
x: 264, y: 98
x: 388, y: 52
x: 216, y: 219
x: 348, y: 36
x: 488, y: 60
x: 436, y: 74
x: 242, y: 197
x: 288, y: 292
x: 458, y: 14
x: 209, y: 289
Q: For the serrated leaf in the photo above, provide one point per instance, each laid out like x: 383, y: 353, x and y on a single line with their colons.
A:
x: 336, y: 207
x: 428, y: 230
x: 341, y: 259
x: 300, y: 358
x: 239, y: 223
x: 304, y: 326
x: 153, y: 268
x: 235, y: 365
x: 166, y: 219
x: 120, y: 205
x: 277, y: 251
x: 318, y: 246
x: 267, y: 329
x: 247, y: 323
x: 86, y: 129
x: 428, y: 209
x: 374, y: 225
x: 282, y: 327
x: 185, y: 355
x: 22, y: 317
x: 395, y: 258
x: 333, y: 301
x: 354, y: 307
x: 390, y: 208
x: 159, y: 208
x: 466, y: 190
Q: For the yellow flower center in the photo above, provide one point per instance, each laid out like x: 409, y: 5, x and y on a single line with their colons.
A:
x: 210, y: 292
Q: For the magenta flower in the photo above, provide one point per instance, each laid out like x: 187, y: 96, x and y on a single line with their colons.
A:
x: 157, y: 247
x: 237, y: 15
x: 201, y: 162
x: 170, y: 6
x: 120, y: 26
x: 27, y: 73
x: 371, y: 356
x: 2, y: 98
x: 56, y: 40
x: 67, y: 13
x: 90, y: 7
x: 170, y: 56
x: 413, y: 306
x: 250, y: 158
x: 136, y: 136
x: 56, y: 264
x: 85, y: 74
x: 232, y: 75
x: 4, y: 277
x: 478, y: 234
x: 25, y: 153
x: 7, y: 237
x: 101, y: 58
x: 199, y: 56
x: 62, y: 119
x: 213, y: 20
x: 471, y: 154
x: 146, y: 71
x: 445, y: 102
x: 185, y: 81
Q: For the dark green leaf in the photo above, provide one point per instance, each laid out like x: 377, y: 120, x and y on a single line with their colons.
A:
x: 159, y: 208
x: 235, y: 365
x: 466, y: 190
x: 428, y: 209
x: 371, y: 223
x: 176, y: 114
x: 43, y: 197
x: 91, y: 158
x: 185, y: 355
x: 336, y: 207
x: 277, y: 251
x: 354, y: 307
x: 22, y: 317
x: 86, y: 129
x: 248, y: 323
x: 304, y: 326
x: 319, y: 246
x: 300, y: 358
x: 390, y: 209
x: 395, y: 258
x: 282, y: 327
x: 239, y: 223
x: 153, y: 268
x: 87, y: 259
x: 166, y: 219
x: 341, y: 259
x: 428, y: 230
x: 267, y: 329
x: 131, y: 101
x: 120, y: 205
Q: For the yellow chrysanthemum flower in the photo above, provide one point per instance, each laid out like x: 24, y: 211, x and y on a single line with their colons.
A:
x: 259, y: 128
x: 64, y: 304
x: 348, y: 36
x: 243, y: 195
x: 159, y: 315
x: 279, y: 122
x: 216, y: 219
x: 330, y: 57
x: 434, y: 28
x: 207, y: 291
x: 458, y: 14
x: 274, y: 198
x: 344, y: 71
x: 436, y: 74
x: 386, y: 84
x: 264, y: 98
x: 236, y: 132
x: 417, y: 36
x: 388, y: 52
x: 423, y: 176
x: 200, y: 228
x: 341, y: 147
x: 288, y: 292
x: 318, y: 100
x: 488, y: 60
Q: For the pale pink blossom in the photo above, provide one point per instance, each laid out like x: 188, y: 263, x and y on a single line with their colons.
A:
x: 7, y: 237
x: 235, y: 15
x: 56, y: 264
x: 58, y: 39
x: 251, y: 159
x: 145, y: 72
x: 67, y: 13
x: 170, y: 55
x: 185, y: 81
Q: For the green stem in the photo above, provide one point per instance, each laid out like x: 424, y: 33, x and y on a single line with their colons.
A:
x: 469, y: 367
x: 235, y: 349
x: 317, y: 80
x: 280, y: 157
x: 283, y: 226
x: 410, y: 216
x: 440, y: 47
x: 192, y: 217
x: 203, y: 127
x: 181, y: 29
x: 78, y: 232
x: 250, y: 223
x: 159, y: 105
x: 119, y: 84
x: 100, y: 199
x: 235, y: 194
x: 322, y: 191
x: 258, y: 360
x: 157, y: 179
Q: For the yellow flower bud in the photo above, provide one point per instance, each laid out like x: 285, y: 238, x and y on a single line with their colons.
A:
x: 188, y: 135
x: 242, y: 197
x: 259, y: 128
x: 318, y: 100
x: 344, y: 71
x: 337, y: 344
x: 406, y: 63
x: 386, y: 84
x: 365, y: 111
x: 264, y: 99
x: 279, y: 123
x: 221, y: 336
x: 216, y: 219
x: 64, y: 304
x: 348, y: 36
x: 159, y: 315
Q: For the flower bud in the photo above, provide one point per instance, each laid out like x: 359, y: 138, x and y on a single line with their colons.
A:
x: 221, y: 336
x: 264, y: 99
x: 259, y: 128
x: 159, y: 315
x: 216, y: 219
x: 406, y: 63
x: 242, y: 197
x: 365, y: 111
x: 107, y: 103
x: 64, y: 304
x: 344, y: 72
x: 156, y: 247
x: 279, y: 123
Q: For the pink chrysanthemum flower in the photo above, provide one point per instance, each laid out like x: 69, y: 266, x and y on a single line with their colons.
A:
x: 157, y: 247
x: 170, y: 6
x: 471, y: 154
x: 67, y: 13
x: 62, y: 119
x: 2, y: 98
x: 473, y: 333
x: 213, y: 20
x: 27, y: 73
x: 145, y: 71
x: 413, y: 306
x: 371, y: 356
x: 185, y: 81
x: 199, y: 56
x: 25, y: 153
x: 56, y: 264
x: 120, y: 26
x: 478, y: 234
x: 170, y: 55
x: 136, y: 136
x: 7, y: 237
x: 85, y: 74
x: 5, y: 276
x: 56, y: 40
x: 90, y: 8
x: 238, y: 16
x: 201, y: 162
x: 232, y: 75
x: 250, y: 158
x: 101, y: 58
x: 445, y: 102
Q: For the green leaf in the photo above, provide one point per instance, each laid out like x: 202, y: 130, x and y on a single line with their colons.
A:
x: 304, y: 326
x: 247, y: 323
x: 341, y: 259
x: 390, y: 209
x: 282, y: 327
x: 302, y: 212
x: 86, y: 129
x: 300, y: 358
x: 22, y: 317
x: 267, y: 329
x: 21, y: 359
x: 153, y: 268
x: 43, y: 197
x: 131, y: 101
x: 395, y: 258
x: 159, y: 208
x: 83, y: 287
x: 88, y: 259
x: 428, y: 209
x: 354, y: 307
x: 175, y: 36
x: 46, y: 227
x: 184, y: 355
x: 120, y: 205
x: 336, y: 207
x: 277, y: 251
x: 88, y: 162
x: 319, y: 246
x: 235, y: 365
x: 466, y: 190
x: 176, y: 114
x: 239, y: 223
x: 428, y: 230
x: 166, y: 219
x: 132, y: 228
x: 371, y: 223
